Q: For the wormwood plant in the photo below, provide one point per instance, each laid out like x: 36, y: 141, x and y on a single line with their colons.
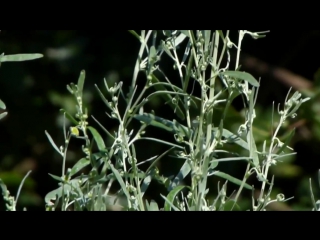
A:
x: 198, y: 141
x: 201, y: 59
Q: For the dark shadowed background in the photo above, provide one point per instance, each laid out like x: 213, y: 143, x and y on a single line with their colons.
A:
x: 34, y: 91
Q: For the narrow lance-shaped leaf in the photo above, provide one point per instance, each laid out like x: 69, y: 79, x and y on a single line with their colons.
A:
x: 250, y: 138
x: 221, y: 34
x: 184, y: 171
x: 135, y: 34
x: 253, y: 150
x: 177, y: 128
x: 97, y: 137
x: 82, y: 163
x: 120, y: 181
x: 162, y: 123
x: 2, y: 115
x: 53, y: 195
x: 312, y: 196
x: 57, y: 193
x: 20, y: 57
x: 234, y: 138
x: 2, y: 105
x: 179, y: 39
x: 243, y: 76
x: 153, y: 206
x: 207, y: 36
x: 185, y: 32
x: 69, y: 117
x: 231, y: 179
x: 152, y: 54
x: 166, y: 49
x: 167, y: 97
x: 145, y: 184
x: 171, y: 197
x: 81, y: 82
x: 3, y: 187
x: 59, y: 179
x: 170, y: 203
x: 286, y: 143
x: 53, y: 144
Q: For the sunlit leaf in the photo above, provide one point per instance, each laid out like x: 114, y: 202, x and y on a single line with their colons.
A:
x: 20, y: 57
x: 55, y: 177
x: 69, y: 117
x: 2, y: 115
x: 53, y: 144
x: 134, y: 33
x: 145, y: 184
x: 287, y: 142
x: 177, y: 128
x: 120, y: 181
x: 166, y: 49
x: 234, y: 138
x: 57, y: 193
x: 81, y: 82
x: 243, y: 76
x: 3, y: 187
x: 2, y: 105
x: 152, y: 54
x: 82, y: 163
x: 185, y: 32
x: 207, y: 36
x: 165, y: 124
x: 184, y: 171
x: 97, y: 137
x: 231, y: 179
x: 171, y: 197
x: 179, y: 39
x: 170, y: 203
x: 153, y: 206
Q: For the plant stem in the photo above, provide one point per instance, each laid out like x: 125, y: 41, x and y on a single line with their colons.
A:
x: 266, y: 170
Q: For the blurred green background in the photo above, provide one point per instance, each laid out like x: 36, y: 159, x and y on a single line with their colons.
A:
x: 34, y: 91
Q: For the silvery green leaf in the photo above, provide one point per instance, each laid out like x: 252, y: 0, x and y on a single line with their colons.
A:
x: 53, y: 144
x: 165, y: 124
x: 69, y: 117
x: 81, y: 82
x: 2, y: 115
x: 231, y: 179
x: 170, y: 203
x: 59, y: 179
x: 185, y: 32
x: 145, y: 184
x: 82, y: 163
x: 171, y: 197
x: 135, y: 34
x: 2, y: 105
x: 243, y: 76
x: 152, y: 54
x: 207, y: 36
x: 57, y: 193
x: 20, y: 57
x: 4, y: 188
x: 166, y: 49
x: 120, y: 181
x: 184, y: 171
x: 97, y: 137
x: 153, y: 206
x: 179, y: 39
